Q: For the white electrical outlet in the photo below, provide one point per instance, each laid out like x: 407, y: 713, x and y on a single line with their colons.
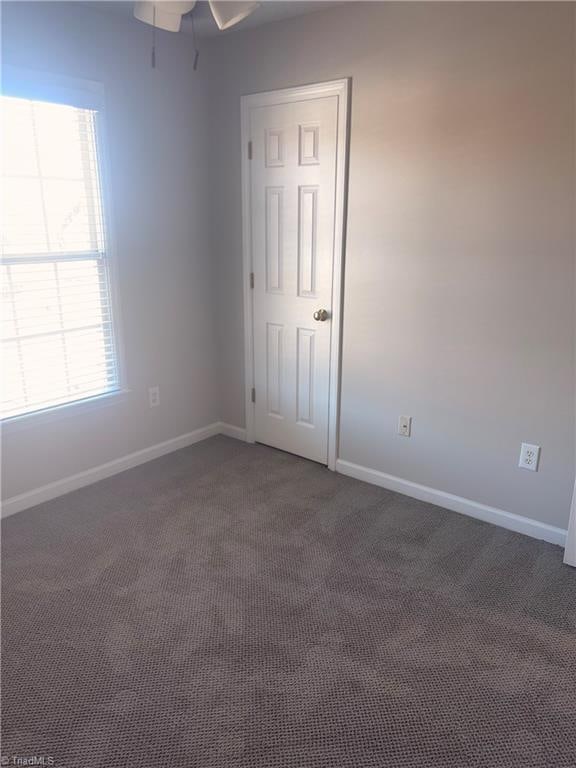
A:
x: 154, y: 396
x: 404, y: 425
x: 529, y: 456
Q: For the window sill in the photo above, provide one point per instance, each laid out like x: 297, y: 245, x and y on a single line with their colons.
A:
x: 64, y: 411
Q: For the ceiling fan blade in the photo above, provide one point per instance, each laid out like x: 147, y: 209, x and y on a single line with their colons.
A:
x: 227, y: 12
x: 163, y: 15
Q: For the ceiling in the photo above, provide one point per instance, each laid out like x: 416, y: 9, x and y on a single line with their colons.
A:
x: 269, y: 11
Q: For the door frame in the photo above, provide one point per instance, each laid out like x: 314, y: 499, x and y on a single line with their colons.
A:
x: 570, y: 547
x: 340, y: 89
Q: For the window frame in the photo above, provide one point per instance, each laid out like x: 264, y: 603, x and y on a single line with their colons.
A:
x: 84, y: 94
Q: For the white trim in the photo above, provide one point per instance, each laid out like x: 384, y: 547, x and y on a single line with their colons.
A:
x: 38, y: 85
x: 238, y: 433
x: 74, y: 408
x: 570, y: 551
x: 246, y: 272
x: 340, y: 89
x: 297, y: 93
x: 338, y: 273
x: 512, y: 522
x: 468, y: 507
x: 89, y: 476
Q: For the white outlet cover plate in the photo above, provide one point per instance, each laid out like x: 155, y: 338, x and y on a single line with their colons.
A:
x: 404, y: 425
x: 154, y: 396
x: 529, y: 457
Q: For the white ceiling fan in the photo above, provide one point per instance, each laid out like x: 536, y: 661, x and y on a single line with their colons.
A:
x: 167, y: 14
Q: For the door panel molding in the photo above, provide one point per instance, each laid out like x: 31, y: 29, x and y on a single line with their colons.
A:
x: 273, y: 227
x: 308, y: 153
x: 307, y: 240
x: 305, y: 375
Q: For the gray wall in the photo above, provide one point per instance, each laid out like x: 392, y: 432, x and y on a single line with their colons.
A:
x: 157, y: 147
x: 459, y: 295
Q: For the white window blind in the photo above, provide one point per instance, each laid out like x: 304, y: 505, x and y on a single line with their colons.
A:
x: 57, y: 331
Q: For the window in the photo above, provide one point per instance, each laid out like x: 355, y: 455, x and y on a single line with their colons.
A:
x: 57, y: 332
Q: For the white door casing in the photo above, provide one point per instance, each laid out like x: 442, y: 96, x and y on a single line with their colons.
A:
x: 570, y: 550
x: 294, y: 161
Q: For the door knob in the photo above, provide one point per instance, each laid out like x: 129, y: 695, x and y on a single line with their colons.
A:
x: 321, y: 315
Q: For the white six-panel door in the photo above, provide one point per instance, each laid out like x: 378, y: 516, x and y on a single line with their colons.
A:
x: 293, y: 208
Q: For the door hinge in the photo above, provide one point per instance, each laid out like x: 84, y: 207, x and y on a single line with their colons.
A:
x: 253, y: 394
x: 249, y: 150
x: 251, y: 279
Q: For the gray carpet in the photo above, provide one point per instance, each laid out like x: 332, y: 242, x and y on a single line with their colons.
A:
x: 232, y: 606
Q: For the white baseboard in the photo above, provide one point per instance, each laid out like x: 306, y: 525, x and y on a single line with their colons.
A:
x: 89, y: 476
x: 238, y: 433
x: 483, y: 512
x: 500, y: 517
